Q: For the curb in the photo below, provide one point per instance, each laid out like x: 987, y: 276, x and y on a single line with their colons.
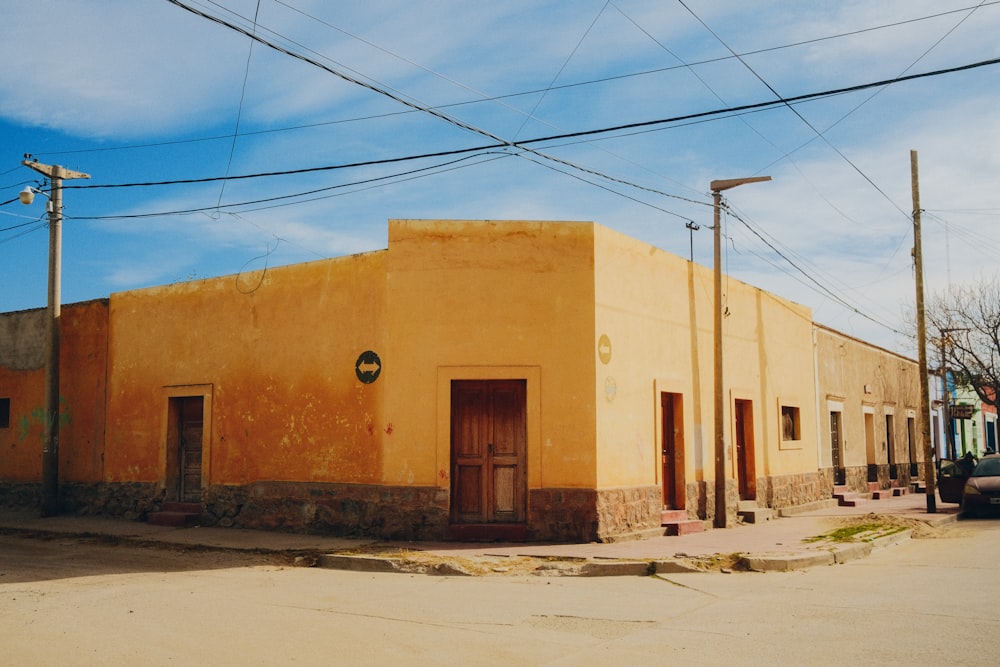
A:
x: 819, y: 553
x: 837, y: 554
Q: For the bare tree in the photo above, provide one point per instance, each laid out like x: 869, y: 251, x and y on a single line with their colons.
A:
x: 967, y: 322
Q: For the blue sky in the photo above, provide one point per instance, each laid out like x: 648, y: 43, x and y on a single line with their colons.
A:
x: 143, y: 91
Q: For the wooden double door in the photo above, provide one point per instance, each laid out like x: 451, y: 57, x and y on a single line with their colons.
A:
x: 488, y: 443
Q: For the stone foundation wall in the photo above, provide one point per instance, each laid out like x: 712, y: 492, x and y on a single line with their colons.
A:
x: 350, y: 510
x: 627, y: 513
x: 562, y: 515
x: 21, y: 494
x: 700, y: 500
x: 587, y: 515
x: 792, y: 490
x: 888, y: 476
x: 132, y: 501
x: 857, y: 479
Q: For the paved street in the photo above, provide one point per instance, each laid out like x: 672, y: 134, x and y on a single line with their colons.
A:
x: 72, y: 600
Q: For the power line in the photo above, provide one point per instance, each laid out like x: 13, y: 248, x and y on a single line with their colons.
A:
x: 793, y: 109
x: 277, y: 198
x: 384, y: 92
x: 538, y: 102
x: 822, y: 135
x: 823, y: 288
x: 756, y: 106
x: 239, y: 108
x: 521, y: 145
x: 488, y: 98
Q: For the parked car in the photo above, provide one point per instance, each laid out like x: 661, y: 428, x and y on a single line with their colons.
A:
x: 981, y: 494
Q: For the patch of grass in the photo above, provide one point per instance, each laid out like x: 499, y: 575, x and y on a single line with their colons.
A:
x: 857, y: 532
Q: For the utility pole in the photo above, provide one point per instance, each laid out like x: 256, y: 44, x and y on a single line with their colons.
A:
x: 930, y: 482
x: 719, y: 411
x: 51, y: 504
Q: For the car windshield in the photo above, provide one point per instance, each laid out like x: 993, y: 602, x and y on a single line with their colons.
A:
x: 987, y: 468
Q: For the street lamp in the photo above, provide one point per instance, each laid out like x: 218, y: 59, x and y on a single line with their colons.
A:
x: 50, y: 444
x: 720, y: 437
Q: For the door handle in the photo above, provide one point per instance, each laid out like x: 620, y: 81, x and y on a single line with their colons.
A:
x: 489, y: 448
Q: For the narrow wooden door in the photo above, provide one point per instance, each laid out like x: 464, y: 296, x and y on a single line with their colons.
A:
x: 672, y: 451
x: 745, y: 454
x: 191, y: 417
x: 488, y: 443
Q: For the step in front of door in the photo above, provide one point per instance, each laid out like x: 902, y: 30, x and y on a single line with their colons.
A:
x: 176, y: 514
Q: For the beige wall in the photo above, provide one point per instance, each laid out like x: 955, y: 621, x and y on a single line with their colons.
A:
x: 490, y: 300
x: 857, y: 378
x: 652, y: 312
x: 656, y: 309
x: 275, y: 355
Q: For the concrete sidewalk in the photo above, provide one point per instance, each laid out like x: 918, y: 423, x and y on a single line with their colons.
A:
x: 786, y: 543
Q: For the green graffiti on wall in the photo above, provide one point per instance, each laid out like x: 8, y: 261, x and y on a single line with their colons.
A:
x: 36, y: 418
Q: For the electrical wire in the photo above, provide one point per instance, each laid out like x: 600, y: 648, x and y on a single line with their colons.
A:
x: 794, y: 110
x: 414, y: 105
x: 484, y: 98
x: 878, y: 91
x: 392, y: 95
x: 818, y: 285
x: 557, y: 137
x: 411, y: 172
x: 545, y: 91
x: 239, y: 108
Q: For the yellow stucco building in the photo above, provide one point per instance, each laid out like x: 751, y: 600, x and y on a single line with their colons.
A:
x: 476, y: 379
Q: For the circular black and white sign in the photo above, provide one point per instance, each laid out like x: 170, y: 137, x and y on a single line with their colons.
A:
x: 368, y: 367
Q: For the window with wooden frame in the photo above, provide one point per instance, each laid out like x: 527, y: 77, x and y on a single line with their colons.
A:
x: 791, y: 428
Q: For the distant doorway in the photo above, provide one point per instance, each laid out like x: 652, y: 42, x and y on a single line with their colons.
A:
x: 890, y: 444
x: 837, y: 449
x: 672, y: 451
x: 746, y: 467
x: 870, y: 446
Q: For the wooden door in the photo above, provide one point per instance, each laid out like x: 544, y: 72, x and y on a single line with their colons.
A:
x: 839, y: 474
x: 745, y: 454
x: 488, y: 443
x: 190, y: 415
x: 672, y: 451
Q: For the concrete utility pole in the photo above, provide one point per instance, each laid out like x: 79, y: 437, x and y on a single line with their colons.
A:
x: 51, y: 504
x: 930, y: 482
x: 720, y: 403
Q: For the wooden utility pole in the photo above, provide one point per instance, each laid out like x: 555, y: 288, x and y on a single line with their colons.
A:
x: 925, y: 407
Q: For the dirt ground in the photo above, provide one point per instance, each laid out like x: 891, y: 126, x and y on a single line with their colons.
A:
x: 28, y: 557
x: 90, y: 601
